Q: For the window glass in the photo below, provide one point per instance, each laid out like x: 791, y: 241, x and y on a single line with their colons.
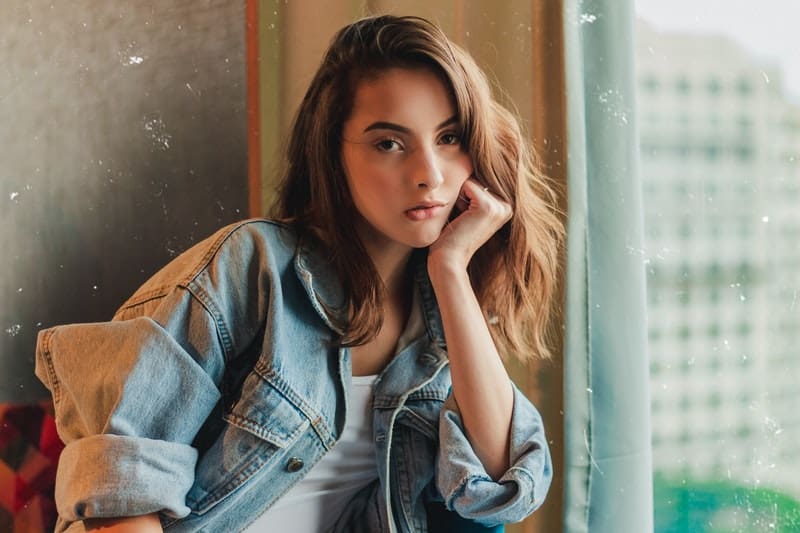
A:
x: 720, y: 170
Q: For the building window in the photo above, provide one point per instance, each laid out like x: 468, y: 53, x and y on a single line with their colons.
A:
x: 714, y: 400
x: 745, y: 123
x: 685, y: 229
x: 715, y: 272
x: 655, y: 367
x: 654, y: 334
x: 744, y: 87
x: 657, y: 439
x: 744, y: 272
x: 684, y: 403
x: 714, y: 295
x: 743, y: 329
x: 745, y: 228
x: 712, y: 151
x: 714, y: 87
x: 683, y: 297
x: 684, y: 270
x: 650, y: 83
x: 743, y: 152
x: 656, y: 405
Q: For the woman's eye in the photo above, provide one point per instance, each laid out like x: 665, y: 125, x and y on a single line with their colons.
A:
x: 450, y: 138
x: 388, y: 145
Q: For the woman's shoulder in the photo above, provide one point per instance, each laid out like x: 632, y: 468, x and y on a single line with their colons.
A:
x: 250, y: 236
x: 235, y: 251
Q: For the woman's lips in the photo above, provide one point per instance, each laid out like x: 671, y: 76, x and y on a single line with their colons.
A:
x: 424, y: 212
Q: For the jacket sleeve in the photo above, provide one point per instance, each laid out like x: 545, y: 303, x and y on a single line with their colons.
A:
x: 131, y: 394
x: 129, y: 397
x: 466, y: 486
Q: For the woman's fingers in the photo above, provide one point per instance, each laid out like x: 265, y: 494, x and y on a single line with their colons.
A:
x: 478, y: 215
x: 481, y: 197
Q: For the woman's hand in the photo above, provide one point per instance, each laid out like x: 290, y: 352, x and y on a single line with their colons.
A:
x: 481, y: 214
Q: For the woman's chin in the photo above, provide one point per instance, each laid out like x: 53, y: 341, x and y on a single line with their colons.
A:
x: 426, y: 239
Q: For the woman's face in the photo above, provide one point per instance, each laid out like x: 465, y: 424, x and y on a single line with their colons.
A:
x: 403, y: 158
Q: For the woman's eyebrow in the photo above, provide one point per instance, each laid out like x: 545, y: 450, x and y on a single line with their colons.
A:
x: 382, y: 125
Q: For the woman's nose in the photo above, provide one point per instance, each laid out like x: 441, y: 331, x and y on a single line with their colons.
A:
x: 427, y: 171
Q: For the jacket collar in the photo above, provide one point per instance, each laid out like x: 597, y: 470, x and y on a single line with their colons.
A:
x: 326, y: 294
x: 323, y: 287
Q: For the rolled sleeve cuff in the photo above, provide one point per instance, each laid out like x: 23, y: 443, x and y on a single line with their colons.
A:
x: 111, y: 475
x: 471, y: 492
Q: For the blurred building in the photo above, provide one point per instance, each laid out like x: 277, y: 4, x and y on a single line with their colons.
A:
x: 720, y: 166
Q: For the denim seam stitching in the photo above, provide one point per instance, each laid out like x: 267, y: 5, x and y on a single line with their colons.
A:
x: 256, y: 428
x: 51, y: 371
x: 208, y: 303
x: 201, y: 265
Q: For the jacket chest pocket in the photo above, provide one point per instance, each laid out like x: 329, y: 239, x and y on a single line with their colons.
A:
x: 421, y: 412
x: 259, y: 427
x: 423, y: 421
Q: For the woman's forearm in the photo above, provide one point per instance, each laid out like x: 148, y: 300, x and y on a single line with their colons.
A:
x: 133, y: 524
x: 481, y: 384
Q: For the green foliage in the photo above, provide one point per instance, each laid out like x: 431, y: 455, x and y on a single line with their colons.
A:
x: 720, y: 506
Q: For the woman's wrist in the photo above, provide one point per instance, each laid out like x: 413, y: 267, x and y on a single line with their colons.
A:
x: 443, y: 268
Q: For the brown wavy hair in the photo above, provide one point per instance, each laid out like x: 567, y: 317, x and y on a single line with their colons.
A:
x: 514, y: 274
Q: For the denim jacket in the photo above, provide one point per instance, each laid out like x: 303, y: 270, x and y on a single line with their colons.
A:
x: 217, y: 386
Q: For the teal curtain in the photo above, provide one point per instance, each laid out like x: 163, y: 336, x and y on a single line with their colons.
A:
x: 608, y: 465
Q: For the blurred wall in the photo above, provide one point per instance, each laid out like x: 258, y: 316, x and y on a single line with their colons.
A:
x: 123, y: 142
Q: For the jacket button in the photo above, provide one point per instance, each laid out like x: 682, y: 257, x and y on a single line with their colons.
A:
x: 295, y: 464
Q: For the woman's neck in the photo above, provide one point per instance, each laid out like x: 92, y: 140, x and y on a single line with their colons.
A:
x: 391, y: 263
x: 390, y: 259
x: 392, y: 267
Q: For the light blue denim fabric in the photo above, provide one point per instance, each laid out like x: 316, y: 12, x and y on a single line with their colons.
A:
x: 216, y: 388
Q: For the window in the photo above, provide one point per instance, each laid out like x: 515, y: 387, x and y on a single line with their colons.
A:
x: 725, y: 458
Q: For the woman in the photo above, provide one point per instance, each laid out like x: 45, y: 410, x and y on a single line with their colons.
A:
x: 337, y: 368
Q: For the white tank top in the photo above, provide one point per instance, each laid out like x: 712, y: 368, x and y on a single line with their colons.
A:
x: 314, y: 503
